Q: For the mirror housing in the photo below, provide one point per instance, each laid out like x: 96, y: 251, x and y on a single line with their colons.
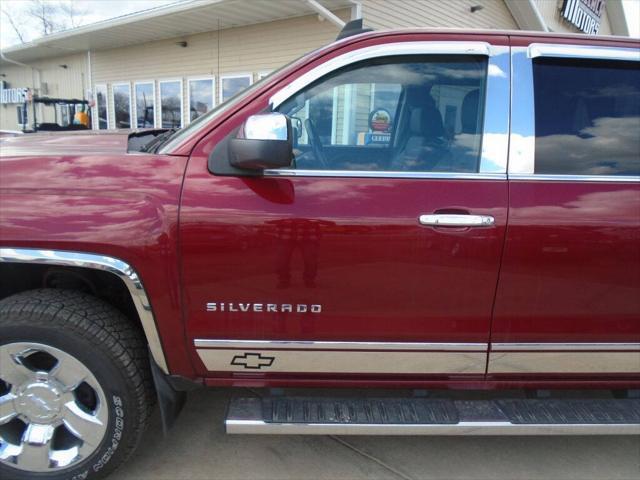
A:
x: 264, y: 141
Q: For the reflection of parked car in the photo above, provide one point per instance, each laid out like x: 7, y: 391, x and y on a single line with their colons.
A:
x: 482, y: 232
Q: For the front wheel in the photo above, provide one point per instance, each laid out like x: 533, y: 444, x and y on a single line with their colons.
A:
x: 75, y: 389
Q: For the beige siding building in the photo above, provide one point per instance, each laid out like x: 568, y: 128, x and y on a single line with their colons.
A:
x: 163, y: 67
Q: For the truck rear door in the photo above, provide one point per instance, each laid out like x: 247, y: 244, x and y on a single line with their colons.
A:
x: 377, y: 253
x: 568, y: 302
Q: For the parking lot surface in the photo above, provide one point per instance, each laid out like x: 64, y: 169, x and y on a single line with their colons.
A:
x: 198, y: 448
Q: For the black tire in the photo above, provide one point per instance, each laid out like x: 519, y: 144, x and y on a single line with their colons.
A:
x: 109, y: 346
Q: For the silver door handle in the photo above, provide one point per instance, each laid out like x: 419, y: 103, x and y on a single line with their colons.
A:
x: 452, y: 220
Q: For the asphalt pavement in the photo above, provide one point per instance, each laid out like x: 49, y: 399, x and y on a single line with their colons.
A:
x: 197, y: 448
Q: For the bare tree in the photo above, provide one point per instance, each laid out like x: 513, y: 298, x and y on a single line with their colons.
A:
x: 73, y: 14
x: 45, y: 14
x: 45, y: 17
x: 14, y: 25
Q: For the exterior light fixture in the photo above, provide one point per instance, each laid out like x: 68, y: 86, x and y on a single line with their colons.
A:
x: 475, y: 8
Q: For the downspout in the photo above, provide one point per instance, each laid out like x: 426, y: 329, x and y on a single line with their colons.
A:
x: 326, y: 13
x: 90, y: 87
x: 538, y: 15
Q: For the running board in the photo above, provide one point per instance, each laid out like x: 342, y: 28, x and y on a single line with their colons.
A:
x: 425, y: 416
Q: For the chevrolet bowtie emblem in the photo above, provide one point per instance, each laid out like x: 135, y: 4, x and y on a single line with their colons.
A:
x: 254, y: 361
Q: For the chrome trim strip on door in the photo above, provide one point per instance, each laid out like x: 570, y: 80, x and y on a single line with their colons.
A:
x: 286, y: 172
x: 575, y: 178
x: 334, y: 361
x: 564, y: 362
x: 451, y: 220
x: 536, y: 50
x: 105, y: 263
x: 498, y: 347
x: 331, y: 345
x: 495, y: 138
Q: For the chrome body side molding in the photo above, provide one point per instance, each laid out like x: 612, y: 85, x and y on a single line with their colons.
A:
x: 105, y: 263
x: 295, y: 356
x: 553, y: 361
x: 341, y: 357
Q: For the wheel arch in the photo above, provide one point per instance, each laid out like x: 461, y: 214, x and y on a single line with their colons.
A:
x: 101, y: 263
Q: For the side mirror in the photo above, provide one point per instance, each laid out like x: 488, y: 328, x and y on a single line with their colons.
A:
x: 264, y: 141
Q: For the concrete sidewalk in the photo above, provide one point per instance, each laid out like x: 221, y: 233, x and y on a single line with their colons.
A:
x: 198, y: 448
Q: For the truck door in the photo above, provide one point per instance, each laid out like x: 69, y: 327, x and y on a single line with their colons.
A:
x: 568, y: 301
x: 377, y: 252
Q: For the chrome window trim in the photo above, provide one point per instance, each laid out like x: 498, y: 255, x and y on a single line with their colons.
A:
x: 99, y: 262
x: 522, y: 135
x: 495, y: 137
x: 337, y: 345
x: 501, y: 347
x: 537, y: 50
x: 377, y: 51
x: 290, y: 172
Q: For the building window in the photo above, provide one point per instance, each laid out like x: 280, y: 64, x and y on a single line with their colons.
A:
x: 264, y: 73
x: 102, y: 115
x: 122, y: 105
x: 145, y: 99
x: 200, y: 96
x: 23, y: 115
x: 171, y: 103
x: 230, y: 85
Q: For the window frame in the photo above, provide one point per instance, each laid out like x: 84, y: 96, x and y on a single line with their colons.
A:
x: 135, y: 102
x: 113, y: 103
x: 493, y: 161
x: 171, y: 80
x: 523, y: 135
x: 24, y: 113
x: 96, y: 118
x: 213, y: 93
x: 233, y: 75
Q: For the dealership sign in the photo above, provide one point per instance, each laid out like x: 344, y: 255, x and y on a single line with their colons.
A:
x: 584, y: 14
x: 12, y: 95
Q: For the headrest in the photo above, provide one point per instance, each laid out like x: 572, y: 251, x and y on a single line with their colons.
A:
x: 469, y: 112
x: 426, y: 122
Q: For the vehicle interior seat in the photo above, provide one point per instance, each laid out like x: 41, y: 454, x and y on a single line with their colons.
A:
x: 464, y: 155
x: 426, y: 143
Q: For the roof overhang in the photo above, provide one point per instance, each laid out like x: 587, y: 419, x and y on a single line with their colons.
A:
x: 169, y: 21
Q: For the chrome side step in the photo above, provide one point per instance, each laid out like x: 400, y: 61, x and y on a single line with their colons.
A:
x: 424, y: 416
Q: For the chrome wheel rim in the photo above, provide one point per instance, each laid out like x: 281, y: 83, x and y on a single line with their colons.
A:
x: 53, y: 412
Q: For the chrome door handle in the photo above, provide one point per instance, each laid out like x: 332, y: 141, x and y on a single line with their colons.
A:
x: 452, y: 220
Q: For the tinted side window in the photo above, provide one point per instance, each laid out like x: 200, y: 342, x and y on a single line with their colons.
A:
x: 587, y: 117
x: 410, y: 113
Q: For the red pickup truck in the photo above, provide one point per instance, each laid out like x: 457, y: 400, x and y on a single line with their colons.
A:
x: 416, y: 210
